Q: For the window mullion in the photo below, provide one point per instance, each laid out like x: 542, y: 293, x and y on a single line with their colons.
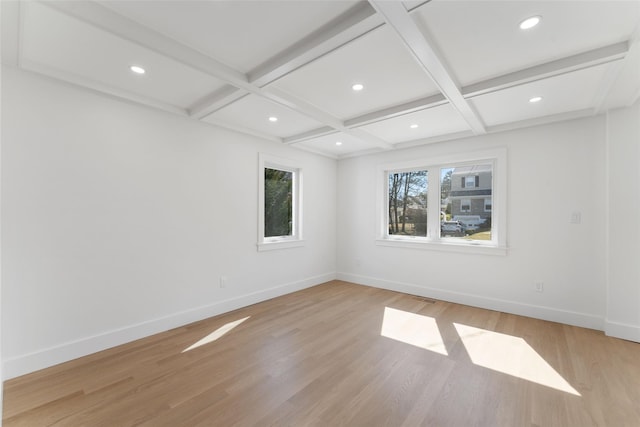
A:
x: 433, y: 204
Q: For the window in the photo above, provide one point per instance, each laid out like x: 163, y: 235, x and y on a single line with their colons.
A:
x: 279, y: 207
x: 487, y: 205
x: 408, y: 203
x: 466, y: 204
x: 278, y: 202
x: 470, y: 181
x: 445, y: 203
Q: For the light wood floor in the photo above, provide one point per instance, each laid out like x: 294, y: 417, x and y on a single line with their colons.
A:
x: 318, y: 358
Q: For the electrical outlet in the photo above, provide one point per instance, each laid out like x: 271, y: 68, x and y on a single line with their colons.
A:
x: 223, y: 282
x: 538, y: 286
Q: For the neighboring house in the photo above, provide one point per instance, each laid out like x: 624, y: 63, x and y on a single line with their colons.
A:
x: 471, y: 192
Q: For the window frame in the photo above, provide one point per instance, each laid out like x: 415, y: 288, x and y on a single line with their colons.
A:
x: 473, y: 179
x: 267, y: 161
x: 387, y: 196
x: 465, y: 202
x: 496, y: 157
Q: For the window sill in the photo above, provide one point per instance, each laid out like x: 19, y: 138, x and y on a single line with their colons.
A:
x: 444, y: 246
x: 282, y: 244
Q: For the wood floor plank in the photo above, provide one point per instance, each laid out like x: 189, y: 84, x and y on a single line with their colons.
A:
x: 319, y: 357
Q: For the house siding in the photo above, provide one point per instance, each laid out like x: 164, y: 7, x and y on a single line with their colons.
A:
x: 481, y: 180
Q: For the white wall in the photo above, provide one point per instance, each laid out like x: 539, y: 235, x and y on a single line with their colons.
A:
x: 553, y: 170
x: 118, y: 222
x: 1, y: 359
x: 623, y: 273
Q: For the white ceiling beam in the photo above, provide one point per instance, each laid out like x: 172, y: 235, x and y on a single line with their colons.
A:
x: 558, y: 67
x: 613, y: 74
x: 354, y: 23
x: 367, y: 137
x: 114, y: 23
x: 291, y: 101
x: 241, y: 129
x: 378, y: 143
x: 415, y: 6
x: 100, y: 88
x: 537, y: 121
x: 284, y: 98
x: 376, y: 116
x: 359, y: 153
x: 312, y: 134
x: 319, y: 152
x: 397, y: 110
x: 214, y: 101
x: 396, y: 16
x: 434, y: 139
x: 610, y: 77
x: 634, y: 51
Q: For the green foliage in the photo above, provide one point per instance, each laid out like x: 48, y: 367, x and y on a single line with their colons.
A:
x: 278, y: 202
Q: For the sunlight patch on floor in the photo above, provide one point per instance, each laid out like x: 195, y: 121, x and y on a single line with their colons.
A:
x: 410, y: 328
x: 215, y: 334
x: 510, y: 355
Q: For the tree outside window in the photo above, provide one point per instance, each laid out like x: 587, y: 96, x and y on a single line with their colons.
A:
x: 408, y: 203
x: 278, y: 203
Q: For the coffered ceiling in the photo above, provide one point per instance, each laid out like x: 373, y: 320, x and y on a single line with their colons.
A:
x: 284, y: 70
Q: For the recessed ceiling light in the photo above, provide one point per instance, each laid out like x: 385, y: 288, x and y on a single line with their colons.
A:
x: 535, y: 99
x: 273, y: 119
x: 137, y: 69
x: 338, y: 143
x: 530, y: 22
x: 357, y: 87
x: 414, y: 126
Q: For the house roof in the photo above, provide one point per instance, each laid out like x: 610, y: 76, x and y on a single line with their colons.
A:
x: 471, y: 169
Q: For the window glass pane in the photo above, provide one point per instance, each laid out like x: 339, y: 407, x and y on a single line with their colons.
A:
x: 408, y: 203
x: 278, y: 202
x: 465, y: 193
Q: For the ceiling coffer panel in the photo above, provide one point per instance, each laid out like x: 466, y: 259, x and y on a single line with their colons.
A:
x: 265, y: 116
x: 53, y: 42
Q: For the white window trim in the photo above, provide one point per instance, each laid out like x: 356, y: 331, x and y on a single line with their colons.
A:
x: 497, y: 157
x: 280, y: 242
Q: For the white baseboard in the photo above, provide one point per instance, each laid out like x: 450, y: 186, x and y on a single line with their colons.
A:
x: 622, y: 330
x: 538, y: 312
x: 45, y: 358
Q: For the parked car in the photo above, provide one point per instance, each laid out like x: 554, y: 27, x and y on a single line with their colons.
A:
x: 452, y: 228
x: 470, y: 227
